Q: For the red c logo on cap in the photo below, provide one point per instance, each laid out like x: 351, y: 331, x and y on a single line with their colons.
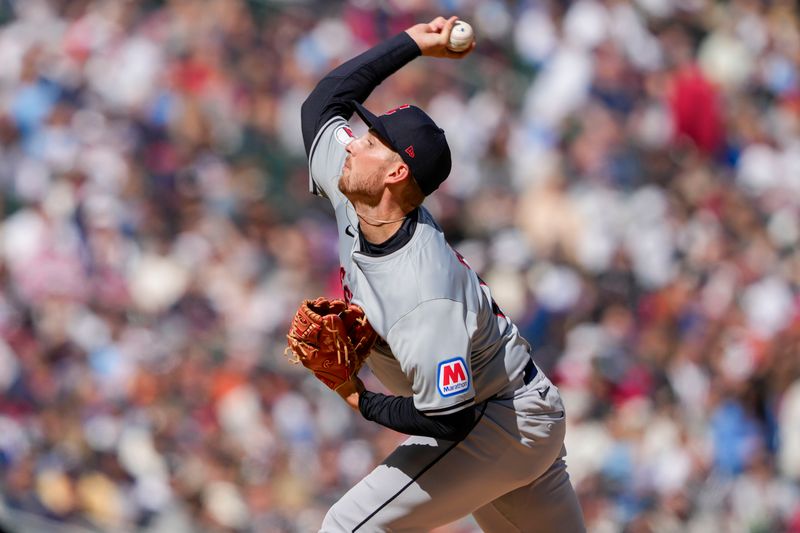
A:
x: 410, y: 151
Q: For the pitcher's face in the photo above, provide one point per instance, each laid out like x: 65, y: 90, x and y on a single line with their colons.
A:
x: 364, y: 169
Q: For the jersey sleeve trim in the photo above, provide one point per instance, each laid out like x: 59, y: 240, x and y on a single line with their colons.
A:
x: 449, y: 409
x: 313, y: 188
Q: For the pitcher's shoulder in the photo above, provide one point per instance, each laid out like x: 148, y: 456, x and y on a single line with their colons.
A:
x: 440, y: 271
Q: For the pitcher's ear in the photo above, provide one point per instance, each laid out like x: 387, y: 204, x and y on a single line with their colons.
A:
x: 398, y: 171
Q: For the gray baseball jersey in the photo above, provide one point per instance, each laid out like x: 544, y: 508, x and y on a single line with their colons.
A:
x: 448, y: 343
x: 449, y: 346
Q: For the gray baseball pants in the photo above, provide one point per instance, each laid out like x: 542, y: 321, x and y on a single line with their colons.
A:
x: 509, y: 473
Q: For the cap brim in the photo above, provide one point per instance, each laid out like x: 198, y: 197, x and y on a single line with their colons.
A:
x: 373, y: 122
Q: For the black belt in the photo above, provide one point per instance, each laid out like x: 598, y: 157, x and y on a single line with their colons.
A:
x: 529, y: 372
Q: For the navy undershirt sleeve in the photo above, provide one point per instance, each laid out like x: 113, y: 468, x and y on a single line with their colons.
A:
x: 398, y: 413
x: 354, y: 80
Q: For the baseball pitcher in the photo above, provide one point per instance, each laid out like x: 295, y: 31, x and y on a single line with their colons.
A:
x: 486, y: 425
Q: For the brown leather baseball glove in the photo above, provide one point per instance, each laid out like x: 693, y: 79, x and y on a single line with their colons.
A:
x: 332, y: 339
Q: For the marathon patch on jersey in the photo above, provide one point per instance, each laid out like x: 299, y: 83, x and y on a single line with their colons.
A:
x: 452, y: 376
x: 344, y: 135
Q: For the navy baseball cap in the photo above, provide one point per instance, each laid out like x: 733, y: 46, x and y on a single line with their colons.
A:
x: 410, y: 132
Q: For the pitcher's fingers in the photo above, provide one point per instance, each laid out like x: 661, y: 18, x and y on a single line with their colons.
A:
x: 448, y: 28
x: 437, y: 24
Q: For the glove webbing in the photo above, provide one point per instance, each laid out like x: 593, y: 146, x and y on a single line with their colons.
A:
x: 295, y: 359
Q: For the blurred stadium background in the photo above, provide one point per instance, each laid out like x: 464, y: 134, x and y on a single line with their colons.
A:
x: 626, y: 178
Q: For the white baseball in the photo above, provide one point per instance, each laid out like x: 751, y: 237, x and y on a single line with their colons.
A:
x: 461, y: 37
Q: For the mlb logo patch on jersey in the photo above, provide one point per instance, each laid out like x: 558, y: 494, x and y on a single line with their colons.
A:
x: 344, y: 135
x: 453, y: 376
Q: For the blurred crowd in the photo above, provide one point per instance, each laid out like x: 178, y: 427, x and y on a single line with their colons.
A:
x: 626, y: 178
